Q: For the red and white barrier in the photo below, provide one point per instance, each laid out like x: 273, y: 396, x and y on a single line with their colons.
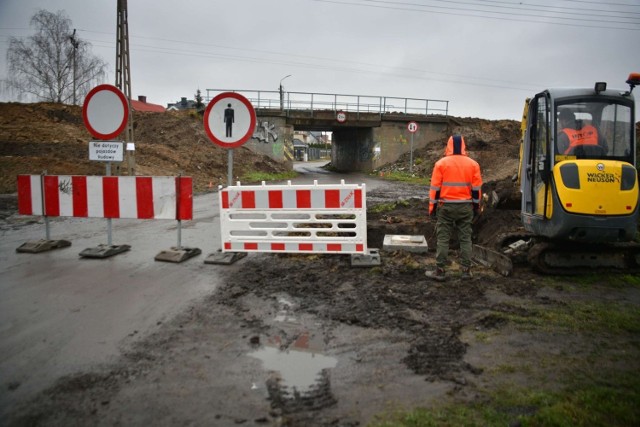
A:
x: 145, y: 197
x: 296, y: 219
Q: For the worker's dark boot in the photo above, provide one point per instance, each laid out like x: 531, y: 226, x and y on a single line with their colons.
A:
x: 438, y: 274
x: 466, y: 273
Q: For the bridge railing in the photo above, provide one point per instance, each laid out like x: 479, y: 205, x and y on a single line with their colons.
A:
x: 310, y: 101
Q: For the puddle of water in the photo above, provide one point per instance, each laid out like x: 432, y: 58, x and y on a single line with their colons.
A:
x: 285, y: 315
x: 298, y: 369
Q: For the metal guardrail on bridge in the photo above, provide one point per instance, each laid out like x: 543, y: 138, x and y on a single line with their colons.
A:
x: 308, y: 101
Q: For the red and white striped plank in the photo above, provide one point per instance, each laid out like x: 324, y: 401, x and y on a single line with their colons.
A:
x: 337, y: 198
x: 289, y: 247
x: 106, y: 196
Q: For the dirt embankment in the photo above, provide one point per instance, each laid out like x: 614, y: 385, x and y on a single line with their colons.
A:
x: 52, y: 137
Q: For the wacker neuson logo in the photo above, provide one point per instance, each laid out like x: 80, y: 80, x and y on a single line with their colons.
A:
x: 602, y: 176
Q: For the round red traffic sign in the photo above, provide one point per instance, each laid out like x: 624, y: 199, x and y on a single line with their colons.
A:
x: 341, y: 116
x: 412, y: 127
x: 105, y: 112
x: 229, y: 120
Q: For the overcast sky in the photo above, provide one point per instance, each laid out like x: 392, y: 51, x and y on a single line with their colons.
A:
x: 484, y: 57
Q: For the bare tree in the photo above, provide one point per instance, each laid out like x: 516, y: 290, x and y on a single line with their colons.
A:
x: 53, y: 65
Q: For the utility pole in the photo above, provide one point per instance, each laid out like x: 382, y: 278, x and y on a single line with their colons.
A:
x: 123, y: 77
x: 74, y: 43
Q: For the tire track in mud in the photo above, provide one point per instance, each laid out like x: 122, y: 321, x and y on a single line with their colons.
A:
x: 395, y: 296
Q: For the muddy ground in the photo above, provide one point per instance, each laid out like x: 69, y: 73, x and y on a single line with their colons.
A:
x: 373, y: 340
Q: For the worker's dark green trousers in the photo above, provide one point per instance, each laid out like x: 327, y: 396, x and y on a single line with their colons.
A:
x: 458, y: 217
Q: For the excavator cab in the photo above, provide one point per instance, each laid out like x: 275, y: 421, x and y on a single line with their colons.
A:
x: 578, y: 173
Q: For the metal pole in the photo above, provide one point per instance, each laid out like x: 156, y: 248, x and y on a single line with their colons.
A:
x: 282, y: 92
x: 411, y: 155
x: 230, y: 168
x: 123, y: 75
x: 44, y: 207
x: 109, y: 239
x: 179, y: 187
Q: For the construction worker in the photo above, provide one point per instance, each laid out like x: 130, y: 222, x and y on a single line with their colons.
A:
x: 454, y: 198
x: 571, y: 136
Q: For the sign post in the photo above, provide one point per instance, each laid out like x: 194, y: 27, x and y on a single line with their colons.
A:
x: 105, y: 113
x: 412, y: 127
x: 229, y: 121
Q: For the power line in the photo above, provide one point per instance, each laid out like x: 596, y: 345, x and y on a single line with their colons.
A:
x: 599, y: 3
x: 400, y: 73
x: 421, y: 5
x: 521, y: 7
x: 286, y: 56
x: 482, y: 16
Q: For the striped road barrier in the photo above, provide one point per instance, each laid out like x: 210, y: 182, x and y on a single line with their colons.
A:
x: 111, y: 197
x: 329, y: 219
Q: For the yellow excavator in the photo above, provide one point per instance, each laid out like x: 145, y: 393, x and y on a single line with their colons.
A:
x: 578, y: 181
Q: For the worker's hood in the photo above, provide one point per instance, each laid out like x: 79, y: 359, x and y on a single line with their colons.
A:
x: 455, y: 145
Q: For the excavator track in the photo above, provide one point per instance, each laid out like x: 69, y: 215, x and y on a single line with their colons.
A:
x: 569, y: 258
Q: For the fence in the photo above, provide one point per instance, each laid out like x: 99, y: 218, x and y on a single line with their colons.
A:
x: 308, y: 101
x: 295, y: 219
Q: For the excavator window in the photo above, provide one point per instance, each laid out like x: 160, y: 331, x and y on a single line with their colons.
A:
x: 594, y: 129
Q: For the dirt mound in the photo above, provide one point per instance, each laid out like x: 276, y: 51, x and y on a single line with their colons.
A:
x: 494, y: 144
x: 52, y: 137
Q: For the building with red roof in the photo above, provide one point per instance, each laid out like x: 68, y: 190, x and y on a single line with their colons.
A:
x: 142, y: 105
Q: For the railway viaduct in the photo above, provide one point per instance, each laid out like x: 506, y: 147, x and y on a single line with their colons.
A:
x: 367, y: 132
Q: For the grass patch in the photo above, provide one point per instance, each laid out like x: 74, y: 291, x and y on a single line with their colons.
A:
x: 405, y: 176
x: 255, y: 176
x: 581, y: 317
x: 611, y: 400
x: 387, y: 207
x: 612, y: 280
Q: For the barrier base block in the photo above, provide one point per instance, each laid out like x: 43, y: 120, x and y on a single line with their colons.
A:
x: 104, y: 251
x: 370, y: 259
x: 37, y: 246
x: 416, y: 244
x: 224, y: 258
x: 177, y: 254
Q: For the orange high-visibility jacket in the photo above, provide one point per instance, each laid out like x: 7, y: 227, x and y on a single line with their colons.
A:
x: 588, y: 135
x: 456, y: 178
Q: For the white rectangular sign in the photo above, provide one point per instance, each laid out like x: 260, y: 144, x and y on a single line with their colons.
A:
x: 106, y: 151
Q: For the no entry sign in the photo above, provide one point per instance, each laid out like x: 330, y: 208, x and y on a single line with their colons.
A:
x: 105, y: 112
x: 229, y: 120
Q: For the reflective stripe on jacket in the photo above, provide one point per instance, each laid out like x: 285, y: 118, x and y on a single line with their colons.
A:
x: 456, y: 178
x: 588, y: 135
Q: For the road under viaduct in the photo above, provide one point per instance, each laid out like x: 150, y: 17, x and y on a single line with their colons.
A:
x: 360, y: 142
